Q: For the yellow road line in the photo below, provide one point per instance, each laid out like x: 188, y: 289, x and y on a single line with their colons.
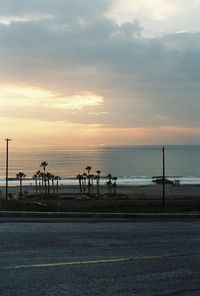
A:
x: 80, y: 262
x: 55, y: 264
x: 100, y: 261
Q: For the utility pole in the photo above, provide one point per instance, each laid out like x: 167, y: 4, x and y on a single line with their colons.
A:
x: 163, y: 181
x: 7, y: 141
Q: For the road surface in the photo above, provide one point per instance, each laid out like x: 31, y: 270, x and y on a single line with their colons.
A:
x: 95, y: 257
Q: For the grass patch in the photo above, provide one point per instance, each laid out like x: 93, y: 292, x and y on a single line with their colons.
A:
x: 102, y: 206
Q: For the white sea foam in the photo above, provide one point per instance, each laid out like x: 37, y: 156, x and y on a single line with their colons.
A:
x: 122, y: 181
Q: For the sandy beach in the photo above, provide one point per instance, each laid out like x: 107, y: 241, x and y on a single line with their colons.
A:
x: 127, y: 199
x: 130, y: 192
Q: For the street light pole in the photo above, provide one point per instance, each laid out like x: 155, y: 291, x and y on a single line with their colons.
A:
x: 7, y: 141
x: 163, y: 196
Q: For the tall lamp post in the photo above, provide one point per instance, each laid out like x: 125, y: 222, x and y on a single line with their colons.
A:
x: 163, y: 181
x: 7, y: 141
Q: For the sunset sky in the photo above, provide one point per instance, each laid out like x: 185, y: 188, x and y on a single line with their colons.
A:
x: 100, y: 72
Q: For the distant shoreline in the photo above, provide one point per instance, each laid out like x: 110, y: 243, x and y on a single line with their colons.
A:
x: 132, y: 181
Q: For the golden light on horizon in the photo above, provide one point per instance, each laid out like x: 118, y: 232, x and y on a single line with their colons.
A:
x: 42, y: 115
x: 21, y: 96
x: 78, y: 101
x: 66, y: 133
x: 15, y: 96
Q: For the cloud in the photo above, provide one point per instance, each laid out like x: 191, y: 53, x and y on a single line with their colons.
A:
x: 61, y: 9
x: 17, y: 97
x: 158, y: 16
x: 26, y: 18
x: 144, y: 82
x: 153, y: 9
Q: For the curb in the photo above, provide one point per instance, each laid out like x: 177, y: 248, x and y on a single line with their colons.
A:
x: 54, y: 215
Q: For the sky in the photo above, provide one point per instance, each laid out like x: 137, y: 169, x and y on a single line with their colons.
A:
x: 100, y: 72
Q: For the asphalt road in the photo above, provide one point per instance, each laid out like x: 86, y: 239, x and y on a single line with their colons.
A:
x: 98, y: 258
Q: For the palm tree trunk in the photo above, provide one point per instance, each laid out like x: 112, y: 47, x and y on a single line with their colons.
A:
x: 48, y: 187
x: 36, y: 186
x: 57, y: 187
x: 40, y: 187
x: 92, y: 187
x: 20, y: 190
x: 80, y: 187
x: 98, y: 187
x: 84, y: 186
x: 53, y: 186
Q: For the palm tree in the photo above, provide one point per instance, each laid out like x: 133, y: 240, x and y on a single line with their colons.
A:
x: 98, y: 182
x: 57, y: 178
x: 43, y: 165
x: 35, y: 177
x: 42, y: 176
x: 20, y: 176
x: 48, y: 178
x: 84, y: 178
x: 53, y: 185
x: 39, y: 177
x: 109, y: 184
x: 114, y: 185
x: 80, y: 178
x: 92, y: 184
x: 88, y: 169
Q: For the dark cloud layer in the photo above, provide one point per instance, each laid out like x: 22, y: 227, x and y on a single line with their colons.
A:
x: 144, y: 82
x: 58, y: 8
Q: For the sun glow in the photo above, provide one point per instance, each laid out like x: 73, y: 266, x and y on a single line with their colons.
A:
x: 21, y: 96
x: 78, y: 101
x: 12, y: 96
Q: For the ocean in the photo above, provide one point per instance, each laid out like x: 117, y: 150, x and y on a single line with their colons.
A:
x: 133, y: 165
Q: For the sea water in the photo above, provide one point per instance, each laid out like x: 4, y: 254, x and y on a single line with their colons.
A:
x: 133, y: 165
